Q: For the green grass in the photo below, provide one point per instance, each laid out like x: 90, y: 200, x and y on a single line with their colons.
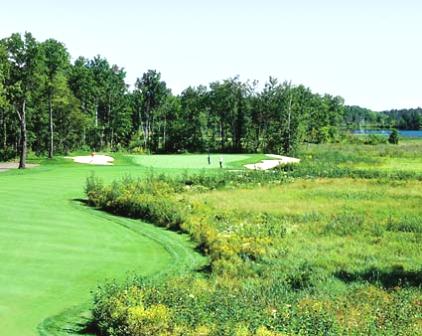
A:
x: 191, y: 161
x: 326, y: 256
x: 393, y: 164
x: 326, y: 196
x: 55, y: 250
x: 384, y: 157
x: 339, y: 223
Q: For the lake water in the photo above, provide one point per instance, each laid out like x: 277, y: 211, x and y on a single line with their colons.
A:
x: 403, y: 133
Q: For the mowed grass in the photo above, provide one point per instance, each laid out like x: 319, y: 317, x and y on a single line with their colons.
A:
x: 55, y: 250
x: 191, y: 161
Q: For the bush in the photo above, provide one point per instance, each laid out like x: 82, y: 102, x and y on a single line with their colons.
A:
x: 394, y: 137
x: 255, y: 284
x: 405, y: 224
x: 7, y: 154
x: 151, y: 200
x: 374, y: 139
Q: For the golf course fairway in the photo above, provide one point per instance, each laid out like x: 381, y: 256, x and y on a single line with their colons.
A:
x: 55, y: 250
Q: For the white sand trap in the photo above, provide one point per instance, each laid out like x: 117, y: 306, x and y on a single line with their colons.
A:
x: 270, y: 164
x: 94, y: 160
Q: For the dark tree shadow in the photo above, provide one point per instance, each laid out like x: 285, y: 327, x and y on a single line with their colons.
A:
x: 81, y: 200
x: 89, y: 328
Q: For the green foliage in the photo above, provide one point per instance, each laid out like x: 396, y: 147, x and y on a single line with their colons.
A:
x: 88, y: 103
x: 405, y: 224
x: 149, y: 200
x: 407, y: 119
x: 374, y: 139
x: 359, y: 161
x: 344, y: 225
x: 272, y: 271
x: 394, y: 137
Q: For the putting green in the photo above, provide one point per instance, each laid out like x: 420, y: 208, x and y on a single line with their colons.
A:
x: 55, y: 251
x: 190, y: 161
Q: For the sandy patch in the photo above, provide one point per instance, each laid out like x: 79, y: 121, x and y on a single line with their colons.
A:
x: 270, y: 164
x: 94, y: 160
x: 4, y: 166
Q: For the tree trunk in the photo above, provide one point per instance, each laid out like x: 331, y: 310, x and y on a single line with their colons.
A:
x: 164, y: 132
x: 96, y: 114
x: 289, y: 145
x: 109, y: 141
x: 4, y: 140
x: 50, y: 115
x: 23, y: 144
x: 222, y: 135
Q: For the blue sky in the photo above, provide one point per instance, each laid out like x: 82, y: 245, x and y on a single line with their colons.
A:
x: 369, y: 52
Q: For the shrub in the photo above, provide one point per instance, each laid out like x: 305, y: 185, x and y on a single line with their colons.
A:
x: 256, y: 284
x: 405, y: 224
x: 7, y: 154
x: 374, y: 139
x: 151, y: 200
x: 394, y: 137
x: 344, y: 224
x: 94, y: 190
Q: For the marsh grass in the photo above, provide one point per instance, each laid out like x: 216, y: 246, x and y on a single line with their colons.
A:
x: 309, y: 256
x: 403, y: 161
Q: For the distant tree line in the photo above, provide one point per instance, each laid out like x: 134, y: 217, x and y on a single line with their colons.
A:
x: 49, y: 104
x: 359, y: 117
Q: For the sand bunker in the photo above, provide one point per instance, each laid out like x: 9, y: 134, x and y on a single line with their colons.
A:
x: 270, y: 164
x: 94, y: 160
x: 4, y: 166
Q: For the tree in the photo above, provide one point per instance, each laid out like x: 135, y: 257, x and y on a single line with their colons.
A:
x: 193, y: 125
x: 23, y: 55
x: 47, y: 104
x: 174, y: 127
x: 394, y: 137
x: 286, y: 116
x: 102, y: 92
x: 149, y: 94
x: 4, y: 74
x: 118, y: 109
x: 84, y: 87
x: 56, y: 62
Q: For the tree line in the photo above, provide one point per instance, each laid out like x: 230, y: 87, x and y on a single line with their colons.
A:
x: 49, y: 105
x: 405, y: 119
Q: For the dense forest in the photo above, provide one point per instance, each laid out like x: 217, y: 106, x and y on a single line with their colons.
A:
x: 406, y: 119
x: 50, y: 105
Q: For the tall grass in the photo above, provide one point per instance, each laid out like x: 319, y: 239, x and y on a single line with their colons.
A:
x: 337, y: 268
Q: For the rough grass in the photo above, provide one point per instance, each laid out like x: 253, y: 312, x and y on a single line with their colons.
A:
x: 313, y: 257
x: 339, y: 223
x: 384, y: 157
